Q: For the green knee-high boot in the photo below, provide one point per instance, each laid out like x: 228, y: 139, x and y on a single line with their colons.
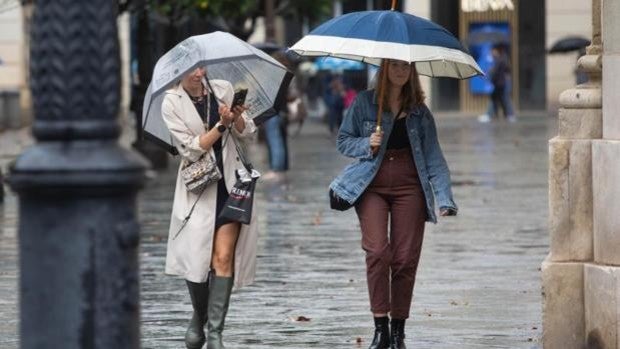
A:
x: 199, y: 294
x: 219, y: 298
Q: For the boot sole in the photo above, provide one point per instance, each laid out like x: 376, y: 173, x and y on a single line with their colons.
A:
x: 194, y: 346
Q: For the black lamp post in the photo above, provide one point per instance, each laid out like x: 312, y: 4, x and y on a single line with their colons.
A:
x: 78, y: 230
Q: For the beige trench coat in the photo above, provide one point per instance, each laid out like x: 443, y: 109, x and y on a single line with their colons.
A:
x: 189, y: 255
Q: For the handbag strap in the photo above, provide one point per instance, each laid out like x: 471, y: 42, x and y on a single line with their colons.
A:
x: 243, y: 161
x: 240, y: 152
x: 242, y: 157
x: 186, y: 219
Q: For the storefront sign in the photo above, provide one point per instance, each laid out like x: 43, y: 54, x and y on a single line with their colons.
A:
x: 486, y: 5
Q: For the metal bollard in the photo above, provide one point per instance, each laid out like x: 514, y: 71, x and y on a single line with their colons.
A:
x: 77, y: 188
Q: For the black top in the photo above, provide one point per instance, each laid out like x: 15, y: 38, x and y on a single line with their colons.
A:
x: 399, y: 138
x: 498, y: 72
x: 214, y: 117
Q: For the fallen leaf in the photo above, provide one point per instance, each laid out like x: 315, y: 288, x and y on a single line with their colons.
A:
x: 359, y: 340
x: 301, y: 319
x: 317, y: 218
x: 454, y: 303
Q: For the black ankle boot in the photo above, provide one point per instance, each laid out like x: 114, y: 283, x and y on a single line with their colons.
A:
x: 382, y: 334
x: 397, y: 339
x: 195, y: 334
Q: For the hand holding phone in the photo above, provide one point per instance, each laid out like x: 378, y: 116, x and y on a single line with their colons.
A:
x: 239, y: 98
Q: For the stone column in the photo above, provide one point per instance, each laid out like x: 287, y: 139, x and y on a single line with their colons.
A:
x: 602, y: 277
x: 78, y: 229
x: 571, y: 203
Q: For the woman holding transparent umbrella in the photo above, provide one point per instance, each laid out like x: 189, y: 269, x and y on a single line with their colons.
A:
x: 210, y: 253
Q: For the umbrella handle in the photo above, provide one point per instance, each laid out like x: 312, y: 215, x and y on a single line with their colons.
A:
x: 394, y: 4
x: 381, y: 88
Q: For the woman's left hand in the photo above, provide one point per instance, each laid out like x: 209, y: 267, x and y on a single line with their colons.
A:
x: 447, y: 211
x: 228, y: 116
x: 238, y: 110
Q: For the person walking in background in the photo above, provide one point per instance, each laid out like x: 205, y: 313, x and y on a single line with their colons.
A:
x: 348, y: 95
x: 393, y: 182
x: 500, y: 77
x: 335, y: 103
x: 211, y: 253
x: 276, y: 130
x: 277, y: 147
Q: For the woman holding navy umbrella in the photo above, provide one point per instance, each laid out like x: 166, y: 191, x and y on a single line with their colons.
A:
x: 400, y: 170
x: 402, y: 161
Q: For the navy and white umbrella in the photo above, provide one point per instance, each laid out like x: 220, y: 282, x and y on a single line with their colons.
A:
x: 226, y: 57
x: 371, y: 36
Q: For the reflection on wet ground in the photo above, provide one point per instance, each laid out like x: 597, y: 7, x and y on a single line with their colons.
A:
x: 478, y: 282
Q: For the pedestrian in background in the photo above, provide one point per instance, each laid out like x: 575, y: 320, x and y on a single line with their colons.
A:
x: 335, y: 103
x: 500, y: 77
x: 276, y: 134
x: 201, y: 246
x: 393, y: 181
x: 348, y: 95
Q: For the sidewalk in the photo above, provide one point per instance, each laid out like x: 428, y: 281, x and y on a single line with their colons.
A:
x: 478, y: 282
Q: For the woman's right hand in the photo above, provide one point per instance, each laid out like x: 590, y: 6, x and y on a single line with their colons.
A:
x: 375, y: 141
x: 226, y: 115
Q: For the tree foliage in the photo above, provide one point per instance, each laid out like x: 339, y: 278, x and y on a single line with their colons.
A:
x: 235, y: 16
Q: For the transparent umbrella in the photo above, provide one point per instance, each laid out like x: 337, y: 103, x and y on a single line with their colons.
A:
x: 225, y: 57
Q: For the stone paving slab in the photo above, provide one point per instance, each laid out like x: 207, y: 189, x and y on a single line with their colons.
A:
x: 478, y: 282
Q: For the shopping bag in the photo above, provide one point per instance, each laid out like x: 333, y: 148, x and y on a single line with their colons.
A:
x: 238, y: 206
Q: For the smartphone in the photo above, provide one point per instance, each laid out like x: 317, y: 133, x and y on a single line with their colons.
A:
x: 239, y: 98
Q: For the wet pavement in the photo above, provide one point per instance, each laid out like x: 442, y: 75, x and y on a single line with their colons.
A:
x: 478, y: 283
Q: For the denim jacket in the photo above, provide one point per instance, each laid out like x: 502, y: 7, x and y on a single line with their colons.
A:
x: 354, y: 141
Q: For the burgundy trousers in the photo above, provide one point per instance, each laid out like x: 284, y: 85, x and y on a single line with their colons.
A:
x: 394, y: 197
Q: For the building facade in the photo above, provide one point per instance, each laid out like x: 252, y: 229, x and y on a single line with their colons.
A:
x: 531, y: 27
x: 14, y: 93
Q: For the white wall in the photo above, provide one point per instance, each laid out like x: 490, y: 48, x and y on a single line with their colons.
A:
x: 124, y: 36
x: 564, y: 18
x: 11, y: 49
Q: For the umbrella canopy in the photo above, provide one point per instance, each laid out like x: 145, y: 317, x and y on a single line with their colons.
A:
x: 371, y: 36
x: 225, y: 57
x: 338, y: 64
x: 568, y: 44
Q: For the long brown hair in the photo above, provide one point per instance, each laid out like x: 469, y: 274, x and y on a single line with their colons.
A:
x: 411, y: 93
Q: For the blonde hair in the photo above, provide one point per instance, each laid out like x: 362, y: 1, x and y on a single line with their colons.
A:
x: 411, y: 94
